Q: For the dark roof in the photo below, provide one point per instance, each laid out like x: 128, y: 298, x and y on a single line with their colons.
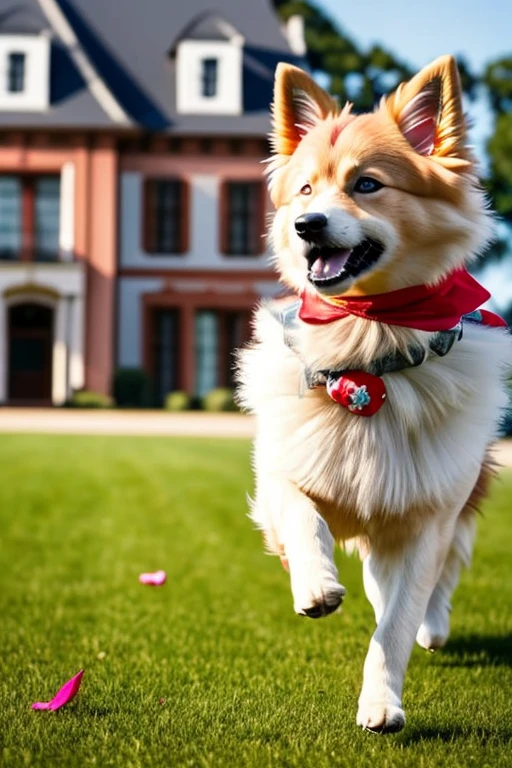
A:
x: 71, y: 102
x: 207, y: 25
x: 22, y: 18
x: 129, y: 45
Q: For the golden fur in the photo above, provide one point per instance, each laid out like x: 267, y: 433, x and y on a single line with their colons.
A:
x: 399, y: 485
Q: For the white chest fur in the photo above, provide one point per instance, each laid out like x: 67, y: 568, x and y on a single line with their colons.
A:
x: 417, y: 450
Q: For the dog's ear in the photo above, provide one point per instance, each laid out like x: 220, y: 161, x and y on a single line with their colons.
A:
x: 428, y: 110
x: 299, y: 104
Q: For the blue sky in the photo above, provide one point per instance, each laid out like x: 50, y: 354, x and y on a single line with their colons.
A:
x: 480, y: 30
x: 420, y: 31
x: 417, y: 32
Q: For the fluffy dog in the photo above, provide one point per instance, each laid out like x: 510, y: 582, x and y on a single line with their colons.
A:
x: 376, y: 401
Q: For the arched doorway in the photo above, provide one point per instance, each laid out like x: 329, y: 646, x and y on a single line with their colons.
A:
x: 30, y: 339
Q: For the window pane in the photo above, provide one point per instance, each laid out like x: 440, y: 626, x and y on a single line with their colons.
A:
x: 207, y: 336
x: 243, y: 217
x: 47, y: 217
x: 166, y: 352
x: 209, y: 70
x: 10, y: 217
x: 168, y: 213
x: 16, y: 72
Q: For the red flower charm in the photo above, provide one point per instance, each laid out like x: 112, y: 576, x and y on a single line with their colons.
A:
x: 360, y: 392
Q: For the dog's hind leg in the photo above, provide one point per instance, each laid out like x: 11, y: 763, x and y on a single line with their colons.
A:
x: 294, y: 529
x: 435, y: 628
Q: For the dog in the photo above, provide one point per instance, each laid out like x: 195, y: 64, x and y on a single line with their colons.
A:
x: 378, y: 391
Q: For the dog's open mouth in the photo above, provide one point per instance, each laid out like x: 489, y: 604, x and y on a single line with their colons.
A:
x: 329, y: 266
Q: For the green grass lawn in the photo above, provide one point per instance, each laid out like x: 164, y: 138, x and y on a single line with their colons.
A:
x: 213, y: 669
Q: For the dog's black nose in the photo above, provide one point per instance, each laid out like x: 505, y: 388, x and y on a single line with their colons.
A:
x: 310, y: 225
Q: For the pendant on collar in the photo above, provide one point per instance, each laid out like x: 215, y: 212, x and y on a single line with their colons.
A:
x: 360, y: 392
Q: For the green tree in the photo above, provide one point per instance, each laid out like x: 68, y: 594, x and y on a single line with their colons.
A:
x: 361, y: 77
x: 497, y: 79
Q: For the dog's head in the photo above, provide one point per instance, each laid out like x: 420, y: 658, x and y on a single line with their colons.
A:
x: 373, y: 202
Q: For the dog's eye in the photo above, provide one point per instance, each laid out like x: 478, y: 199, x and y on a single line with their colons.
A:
x: 306, y: 189
x: 366, y: 185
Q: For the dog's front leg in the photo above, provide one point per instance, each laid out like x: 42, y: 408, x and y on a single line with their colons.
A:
x: 309, y: 548
x: 399, y: 585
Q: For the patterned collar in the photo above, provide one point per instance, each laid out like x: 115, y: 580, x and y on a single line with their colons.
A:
x: 440, y: 344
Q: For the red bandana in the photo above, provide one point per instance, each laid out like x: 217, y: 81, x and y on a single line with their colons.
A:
x: 423, y: 307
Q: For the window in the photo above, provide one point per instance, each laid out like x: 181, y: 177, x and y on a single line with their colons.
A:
x: 218, y: 333
x: 165, y: 336
x: 16, y: 72
x: 242, y: 218
x: 166, y: 216
x: 29, y: 218
x: 24, y: 72
x: 207, y: 338
x: 10, y: 217
x: 47, y: 217
x: 209, y: 77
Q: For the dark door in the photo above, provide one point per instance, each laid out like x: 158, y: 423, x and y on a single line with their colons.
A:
x: 165, y: 352
x: 30, y: 352
x: 237, y: 333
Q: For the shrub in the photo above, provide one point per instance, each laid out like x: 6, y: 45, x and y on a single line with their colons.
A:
x: 178, y: 401
x: 132, y: 388
x: 219, y: 400
x: 85, y: 398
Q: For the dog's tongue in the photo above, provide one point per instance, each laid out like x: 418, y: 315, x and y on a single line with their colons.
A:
x: 329, y: 267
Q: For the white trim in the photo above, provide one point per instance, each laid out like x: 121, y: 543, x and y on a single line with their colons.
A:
x: 76, y: 375
x: 60, y: 354
x: 94, y: 82
x: 67, y: 212
x: 294, y: 31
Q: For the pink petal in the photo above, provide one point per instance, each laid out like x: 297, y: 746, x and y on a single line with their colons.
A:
x: 64, y: 695
x: 155, y: 579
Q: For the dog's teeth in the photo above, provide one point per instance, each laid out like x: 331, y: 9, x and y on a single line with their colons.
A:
x: 317, y: 266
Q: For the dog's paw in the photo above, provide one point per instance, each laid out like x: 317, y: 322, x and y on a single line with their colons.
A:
x: 435, y: 630
x: 320, y: 602
x: 380, y: 717
x: 431, y: 638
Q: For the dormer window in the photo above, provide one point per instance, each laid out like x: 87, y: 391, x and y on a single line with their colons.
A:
x: 24, y: 72
x: 209, y: 77
x: 209, y: 63
x: 16, y: 73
